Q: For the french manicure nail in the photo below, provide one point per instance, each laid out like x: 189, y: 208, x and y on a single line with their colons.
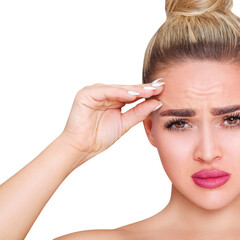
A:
x: 149, y: 88
x: 157, y: 80
x: 133, y: 93
x: 158, y: 107
x: 157, y: 84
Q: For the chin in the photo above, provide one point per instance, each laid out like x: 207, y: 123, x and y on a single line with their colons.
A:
x: 211, y: 205
x: 215, y: 199
x: 208, y: 199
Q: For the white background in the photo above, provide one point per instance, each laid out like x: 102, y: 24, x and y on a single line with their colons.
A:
x: 50, y: 49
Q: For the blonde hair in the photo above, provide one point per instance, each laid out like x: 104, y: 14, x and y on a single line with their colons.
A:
x: 194, y: 29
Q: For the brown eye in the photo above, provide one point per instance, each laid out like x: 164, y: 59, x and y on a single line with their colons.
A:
x: 232, y: 120
x: 180, y: 124
x: 176, y: 125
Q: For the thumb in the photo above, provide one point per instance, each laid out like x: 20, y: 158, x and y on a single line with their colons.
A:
x: 139, y: 113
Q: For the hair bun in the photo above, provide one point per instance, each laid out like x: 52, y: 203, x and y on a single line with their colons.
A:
x: 196, y: 7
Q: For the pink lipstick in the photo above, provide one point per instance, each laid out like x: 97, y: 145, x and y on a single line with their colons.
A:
x: 210, y: 178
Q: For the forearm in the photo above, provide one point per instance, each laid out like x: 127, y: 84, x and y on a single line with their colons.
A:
x: 23, y: 196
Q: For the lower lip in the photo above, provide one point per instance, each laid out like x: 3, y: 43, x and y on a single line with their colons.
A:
x: 211, y: 182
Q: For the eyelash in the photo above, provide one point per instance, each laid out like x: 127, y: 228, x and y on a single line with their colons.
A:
x: 170, y: 123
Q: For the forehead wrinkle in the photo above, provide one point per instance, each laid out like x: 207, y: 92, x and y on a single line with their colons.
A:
x: 203, y: 92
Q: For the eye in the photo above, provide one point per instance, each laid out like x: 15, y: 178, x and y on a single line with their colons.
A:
x: 179, y: 124
x: 232, y: 121
x: 176, y: 125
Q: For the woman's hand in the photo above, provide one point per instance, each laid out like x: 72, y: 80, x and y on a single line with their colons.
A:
x: 96, y: 122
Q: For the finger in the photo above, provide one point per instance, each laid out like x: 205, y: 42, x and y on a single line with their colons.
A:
x: 109, y: 104
x: 138, y: 113
x: 156, y: 83
x: 144, y: 90
x: 126, y: 94
x: 139, y: 91
x: 148, y: 93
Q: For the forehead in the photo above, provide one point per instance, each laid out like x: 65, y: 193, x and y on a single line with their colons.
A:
x: 200, y: 84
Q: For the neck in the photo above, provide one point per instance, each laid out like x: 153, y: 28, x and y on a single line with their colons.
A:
x: 187, y: 215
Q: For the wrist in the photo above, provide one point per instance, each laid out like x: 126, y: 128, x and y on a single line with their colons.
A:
x: 75, y: 156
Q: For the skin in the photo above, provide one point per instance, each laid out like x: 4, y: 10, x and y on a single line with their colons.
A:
x: 207, y: 143
x: 96, y: 122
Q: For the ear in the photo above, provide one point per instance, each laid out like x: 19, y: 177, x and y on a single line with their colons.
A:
x: 148, y: 128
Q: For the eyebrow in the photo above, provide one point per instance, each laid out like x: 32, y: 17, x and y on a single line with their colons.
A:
x: 192, y: 112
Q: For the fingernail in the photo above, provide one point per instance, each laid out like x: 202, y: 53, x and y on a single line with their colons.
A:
x: 157, y: 84
x: 149, y: 88
x: 133, y: 93
x: 158, y: 107
x: 157, y: 80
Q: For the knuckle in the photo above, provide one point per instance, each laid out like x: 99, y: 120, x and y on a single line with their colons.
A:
x: 98, y: 85
x: 84, y: 90
x: 91, y: 86
x: 80, y: 93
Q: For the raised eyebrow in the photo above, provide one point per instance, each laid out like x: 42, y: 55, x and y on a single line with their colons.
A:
x: 187, y: 112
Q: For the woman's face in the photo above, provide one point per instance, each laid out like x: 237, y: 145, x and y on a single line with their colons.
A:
x: 204, y: 140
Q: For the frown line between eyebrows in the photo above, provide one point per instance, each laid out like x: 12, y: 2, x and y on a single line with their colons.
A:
x: 187, y: 112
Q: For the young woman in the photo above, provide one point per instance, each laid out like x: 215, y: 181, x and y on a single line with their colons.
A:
x: 193, y: 120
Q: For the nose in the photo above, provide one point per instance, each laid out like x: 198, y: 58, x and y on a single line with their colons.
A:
x: 207, y: 148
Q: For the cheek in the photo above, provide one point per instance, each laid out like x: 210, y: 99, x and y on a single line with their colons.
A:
x: 229, y: 142
x: 175, y: 152
x: 177, y: 149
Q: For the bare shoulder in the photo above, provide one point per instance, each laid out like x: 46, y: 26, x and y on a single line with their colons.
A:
x: 103, y: 234
x: 150, y: 228
x: 154, y: 227
x: 131, y: 231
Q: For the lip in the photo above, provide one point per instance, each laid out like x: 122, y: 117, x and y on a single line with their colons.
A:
x: 210, y: 178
